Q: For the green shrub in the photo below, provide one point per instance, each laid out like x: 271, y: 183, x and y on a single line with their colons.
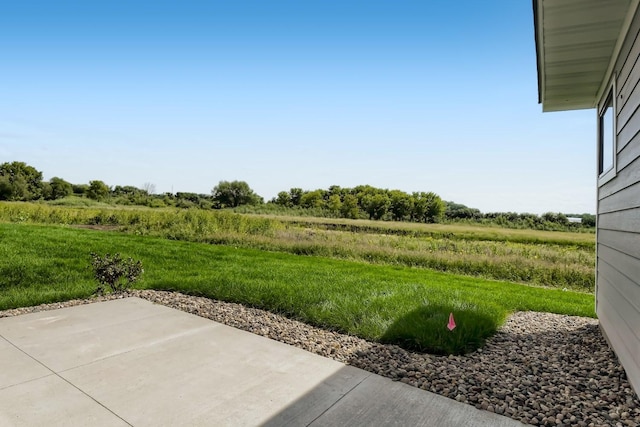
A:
x: 115, y: 273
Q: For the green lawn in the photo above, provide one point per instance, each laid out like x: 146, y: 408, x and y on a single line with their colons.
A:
x: 397, y: 304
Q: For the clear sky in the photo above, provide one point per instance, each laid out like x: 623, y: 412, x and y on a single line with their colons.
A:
x: 413, y: 95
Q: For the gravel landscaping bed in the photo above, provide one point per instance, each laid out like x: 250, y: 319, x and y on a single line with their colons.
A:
x: 540, y: 368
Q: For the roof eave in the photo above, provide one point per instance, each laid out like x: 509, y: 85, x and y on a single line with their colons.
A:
x: 539, y: 57
x: 577, y: 82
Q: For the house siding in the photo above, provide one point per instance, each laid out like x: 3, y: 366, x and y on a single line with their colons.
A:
x: 618, y: 260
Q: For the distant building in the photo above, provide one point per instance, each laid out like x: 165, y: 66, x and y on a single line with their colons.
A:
x: 574, y: 220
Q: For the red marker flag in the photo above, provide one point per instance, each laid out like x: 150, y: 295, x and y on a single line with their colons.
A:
x: 452, y: 323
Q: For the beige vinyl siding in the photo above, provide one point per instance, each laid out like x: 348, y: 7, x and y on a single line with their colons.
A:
x: 618, y: 269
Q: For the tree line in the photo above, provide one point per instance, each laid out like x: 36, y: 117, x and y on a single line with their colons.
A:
x: 21, y: 182
x: 367, y: 201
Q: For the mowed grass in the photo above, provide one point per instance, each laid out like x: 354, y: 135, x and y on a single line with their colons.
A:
x: 393, y: 304
x: 550, y: 259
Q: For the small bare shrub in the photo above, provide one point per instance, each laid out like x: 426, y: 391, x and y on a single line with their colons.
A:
x: 115, y: 273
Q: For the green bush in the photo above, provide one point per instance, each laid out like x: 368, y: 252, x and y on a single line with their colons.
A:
x: 115, y: 273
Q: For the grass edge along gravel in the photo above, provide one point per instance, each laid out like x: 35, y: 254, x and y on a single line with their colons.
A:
x: 400, y: 305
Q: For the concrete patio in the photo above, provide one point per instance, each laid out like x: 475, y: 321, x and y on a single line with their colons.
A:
x: 130, y: 362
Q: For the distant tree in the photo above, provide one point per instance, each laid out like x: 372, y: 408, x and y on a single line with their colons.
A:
x: 334, y: 204
x: 558, y: 218
x: 13, y: 189
x: 349, y: 207
x: 47, y: 192
x: 19, y: 181
x: 460, y: 211
x: 562, y: 219
x: 427, y: 207
x: 126, y: 190
x: 59, y: 188
x: 361, y: 192
x: 336, y: 190
x: 80, y: 189
x: 283, y: 199
x: 190, y: 197
x: 401, y: 205
x: 98, y: 190
x: 295, y: 194
x: 376, y: 205
x: 5, y: 188
x: 166, y: 199
x: 235, y: 193
x: 588, y: 220
x: 129, y: 194
x: 419, y: 207
x: 312, y: 199
x: 435, y: 207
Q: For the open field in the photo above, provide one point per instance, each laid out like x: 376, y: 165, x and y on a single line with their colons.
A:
x: 460, y: 231
x: 396, y: 304
x: 543, y: 258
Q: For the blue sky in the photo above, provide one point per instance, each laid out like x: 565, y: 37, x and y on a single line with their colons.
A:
x: 415, y: 95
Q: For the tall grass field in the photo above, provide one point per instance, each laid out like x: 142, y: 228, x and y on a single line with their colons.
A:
x: 371, y: 281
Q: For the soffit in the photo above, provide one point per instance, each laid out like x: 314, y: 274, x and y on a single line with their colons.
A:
x: 575, y: 42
